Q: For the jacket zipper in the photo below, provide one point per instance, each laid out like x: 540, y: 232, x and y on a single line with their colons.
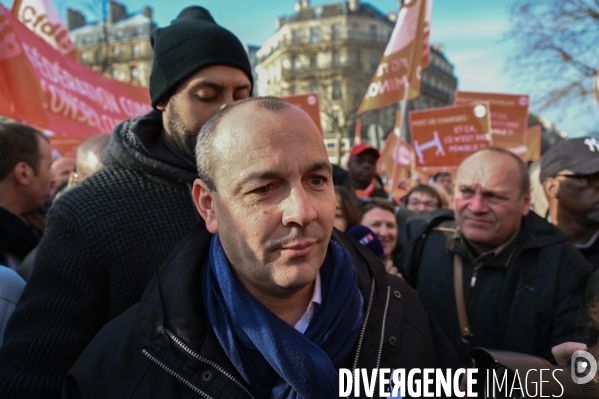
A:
x: 207, y: 361
x: 378, y: 359
x: 364, y: 325
x: 176, y: 375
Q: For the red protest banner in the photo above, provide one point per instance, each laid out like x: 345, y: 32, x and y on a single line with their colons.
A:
x: 509, y: 115
x: 309, y: 103
x: 530, y: 151
x: 42, y: 18
x: 407, y: 53
x: 443, y: 137
x: 43, y: 88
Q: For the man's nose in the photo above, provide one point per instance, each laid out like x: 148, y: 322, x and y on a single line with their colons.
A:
x: 477, y: 204
x: 297, y: 208
x: 421, y: 208
x: 227, y: 99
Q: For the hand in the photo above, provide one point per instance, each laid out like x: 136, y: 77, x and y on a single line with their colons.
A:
x: 563, y: 352
x: 391, y: 269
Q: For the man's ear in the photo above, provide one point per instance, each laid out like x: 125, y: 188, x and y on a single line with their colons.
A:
x: 203, y: 197
x: 551, y: 188
x: 22, y: 173
x: 161, y: 105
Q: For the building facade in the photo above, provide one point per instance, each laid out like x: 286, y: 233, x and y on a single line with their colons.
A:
x: 334, y: 50
x: 117, y: 47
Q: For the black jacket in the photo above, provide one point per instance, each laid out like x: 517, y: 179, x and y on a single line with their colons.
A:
x: 164, y: 347
x: 104, y: 241
x: 17, y: 238
x: 540, y: 302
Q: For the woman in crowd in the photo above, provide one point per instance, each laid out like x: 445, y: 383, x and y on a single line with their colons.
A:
x: 423, y: 198
x: 346, y: 213
x: 379, y: 216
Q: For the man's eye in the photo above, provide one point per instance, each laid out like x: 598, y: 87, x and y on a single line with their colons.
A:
x: 263, y: 189
x: 466, y: 192
x: 317, y: 181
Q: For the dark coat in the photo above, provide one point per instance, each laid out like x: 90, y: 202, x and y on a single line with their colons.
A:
x: 164, y: 347
x: 540, y: 301
x: 17, y: 238
x: 104, y: 241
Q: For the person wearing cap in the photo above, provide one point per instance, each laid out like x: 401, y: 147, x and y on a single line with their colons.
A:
x: 520, y: 282
x: 361, y: 168
x: 570, y: 178
x: 107, y: 236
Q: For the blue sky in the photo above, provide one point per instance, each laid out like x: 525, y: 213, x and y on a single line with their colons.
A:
x: 472, y: 31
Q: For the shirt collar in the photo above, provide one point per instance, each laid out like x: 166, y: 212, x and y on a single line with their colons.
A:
x: 316, y: 300
x: 486, y: 256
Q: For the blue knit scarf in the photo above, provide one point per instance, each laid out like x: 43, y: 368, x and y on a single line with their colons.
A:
x: 274, y: 359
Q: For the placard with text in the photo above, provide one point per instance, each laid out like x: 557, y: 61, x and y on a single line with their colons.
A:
x: 443, y: 137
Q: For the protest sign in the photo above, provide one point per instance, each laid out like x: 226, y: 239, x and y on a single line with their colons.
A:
x: 509, y: 115
x: 407, y: 53
x: 41, y: 87
x: 42, y: 18
x: 443, y: 137
x: 309, y: 103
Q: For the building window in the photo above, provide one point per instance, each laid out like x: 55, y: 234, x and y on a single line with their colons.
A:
x: 294, y: 63
x: 336, y: 32
x: 336, y: 90
x: 135, y: 50
x: 98, y: 56
x: 295, y: 36
x: 336, y: 59
x: 119, y: 34
x: 115, y: 73
x: 372, y: 33
x: 313, y: 62
x: 318, y: 12
x: 291, y: 89
x: 374, y: 61
x: 356, y: 58
x: 314, y: 35
x: 313, y: 87
x: 116, y: 52
x: 134, y: 71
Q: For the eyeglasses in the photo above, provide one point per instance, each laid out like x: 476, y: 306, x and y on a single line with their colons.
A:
x: 416, y: 202
x: 591, y: 180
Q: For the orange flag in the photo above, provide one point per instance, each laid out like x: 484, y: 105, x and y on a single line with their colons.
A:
x: 42, y: 18
x: 596, y: 87
x: 396, y: 157
x: 407, y: 53
x: 530, y: 151
x: 358, y: 132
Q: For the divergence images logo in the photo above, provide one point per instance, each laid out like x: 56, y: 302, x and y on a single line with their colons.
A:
x: 584, y: 367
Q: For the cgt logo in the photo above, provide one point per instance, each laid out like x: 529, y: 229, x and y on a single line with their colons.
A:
x: 584, y: 367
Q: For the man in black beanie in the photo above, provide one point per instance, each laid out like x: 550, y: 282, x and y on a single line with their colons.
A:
x: 106, y: 237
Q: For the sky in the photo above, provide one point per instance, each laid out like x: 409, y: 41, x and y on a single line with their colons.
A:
x: 473, y: 33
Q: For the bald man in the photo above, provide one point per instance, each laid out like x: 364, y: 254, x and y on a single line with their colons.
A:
x: 520, y: 282
x: 61, y: 172
x: 89, y: 157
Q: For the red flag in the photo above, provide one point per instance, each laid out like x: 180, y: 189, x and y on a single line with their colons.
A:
x: 42, y: 87
x: 402, y: 63
x: 42, y: 18
x: 396, y: 156
x: 530, y: 151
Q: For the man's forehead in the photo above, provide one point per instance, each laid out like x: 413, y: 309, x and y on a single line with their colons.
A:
x: 488, y: 170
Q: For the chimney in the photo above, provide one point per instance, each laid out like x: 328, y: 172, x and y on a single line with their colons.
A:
x: 117, y: 11
x: 74, y: 19
x: 305, y: 3
x: 298, y: 6
x: 148, y: 12
x: 354, y: 5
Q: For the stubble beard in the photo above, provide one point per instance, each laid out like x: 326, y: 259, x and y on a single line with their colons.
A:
x: 180, y: 138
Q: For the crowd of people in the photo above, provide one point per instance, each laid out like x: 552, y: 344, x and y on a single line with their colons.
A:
x: 202, y: 248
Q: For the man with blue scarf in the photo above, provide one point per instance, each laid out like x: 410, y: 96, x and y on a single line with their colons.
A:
x: 266, y: 300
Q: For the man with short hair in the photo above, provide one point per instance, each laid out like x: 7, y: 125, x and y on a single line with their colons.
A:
x: 504, y: 278
x: 25, y: 182
x: 570, y: 178
x: 272, y: 305
x: 107, y: 236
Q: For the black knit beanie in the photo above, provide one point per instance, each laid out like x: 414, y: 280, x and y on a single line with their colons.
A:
x: 191, y: 42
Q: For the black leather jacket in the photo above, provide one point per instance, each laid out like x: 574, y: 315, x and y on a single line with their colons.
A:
x: 164, y: 346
